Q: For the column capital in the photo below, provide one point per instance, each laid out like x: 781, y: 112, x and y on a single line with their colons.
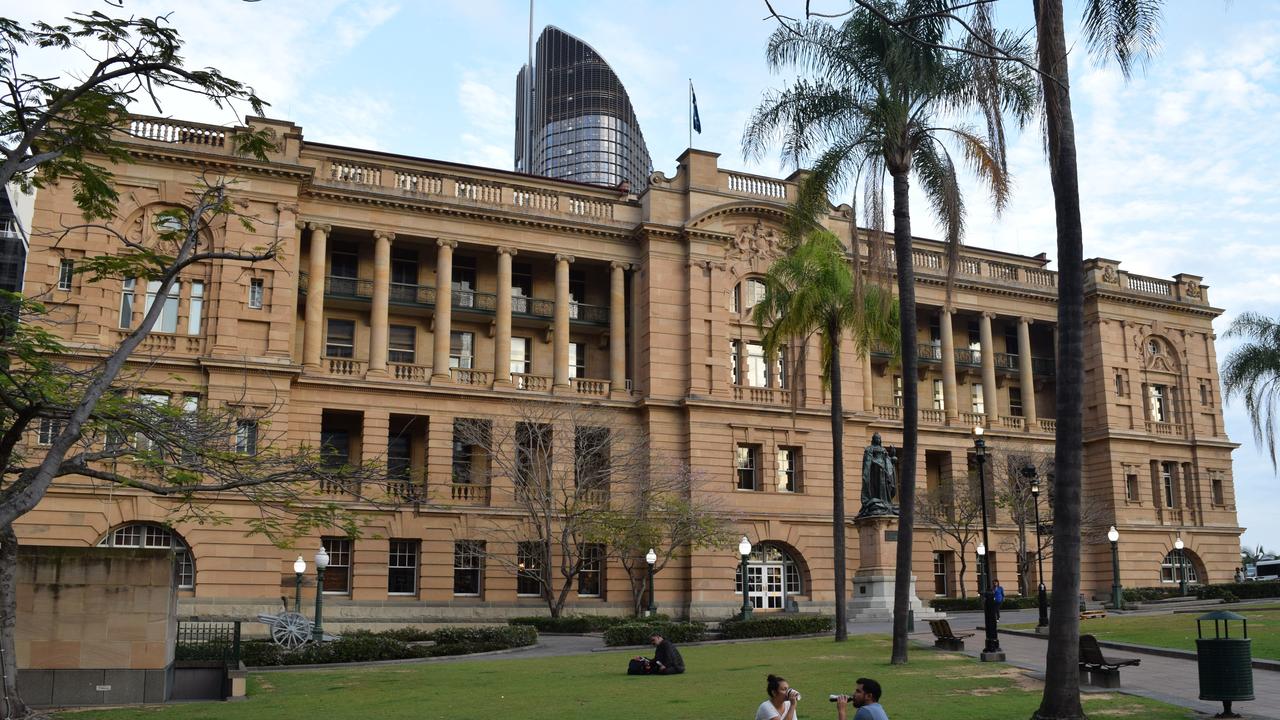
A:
x: 314, y: 226
x: 504, y: 250
x: 619, y: 265
x: 988, y: 315
x: 442, y: 242
x: 300, y: 224
x: 561, y: 257
x: 383, y: 235
x: 1026, y: 320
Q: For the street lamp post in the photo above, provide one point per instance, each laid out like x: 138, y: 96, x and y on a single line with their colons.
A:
x: 991, y: 650
x: 1042, y: 597
x: 744, y: 549
x: 299, y: 567
x: 1117, y: 594
x: 982, y: 569
x: 322, y: 562
x: 1182, y: 565
x: 651, y: 557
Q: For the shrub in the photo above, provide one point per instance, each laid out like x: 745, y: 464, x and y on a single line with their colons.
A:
x: 468, y: 640
x: 777, y: 626
x: 365, y: 646
x: 1147, y: 594
x: 1244, y: 591
x: 638, y: 633
x: 407, y: 634
x: 579, y: 623
x: 1011, y: 602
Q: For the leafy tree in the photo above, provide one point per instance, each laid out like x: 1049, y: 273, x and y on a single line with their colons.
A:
x: 812, y: 290
x: 1252, y: 373
x: 876, y: 104
x: 955, y: 514
x: 1251, y: 556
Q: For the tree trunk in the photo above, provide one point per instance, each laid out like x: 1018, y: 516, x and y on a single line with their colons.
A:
x: 964, y: 568
x: 910, y: 414
x: 837, y: 485
x: 1061, y: 700
x: 12, y: 706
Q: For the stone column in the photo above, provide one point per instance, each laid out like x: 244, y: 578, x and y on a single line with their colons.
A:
x: 868, y: 397
x: 1025, y: 372
x: 313, y: 329
x: 618, y: 327
x: 502, y: 323
x: 560, y: 374
x: 378, y: 319
x: 444, y: 309
x: 988, y: 369
x: 949, y: 399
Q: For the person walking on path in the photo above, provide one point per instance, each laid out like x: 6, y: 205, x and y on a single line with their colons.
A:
x: 998, y: 596
x: 782, y: 701
x: 866, y: 697
x: 667, y: 660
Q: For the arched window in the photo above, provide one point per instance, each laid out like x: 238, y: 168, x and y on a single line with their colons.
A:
x: 154, y: 537
x: 774, y: 575
x: 1173, y: 567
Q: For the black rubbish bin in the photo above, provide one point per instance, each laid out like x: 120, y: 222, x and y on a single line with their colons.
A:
x: 1226, y: 662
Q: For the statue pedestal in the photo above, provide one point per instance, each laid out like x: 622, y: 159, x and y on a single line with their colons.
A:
x: 873, y: 582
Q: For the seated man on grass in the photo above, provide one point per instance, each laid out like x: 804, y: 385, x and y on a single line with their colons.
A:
x: 667, y: 660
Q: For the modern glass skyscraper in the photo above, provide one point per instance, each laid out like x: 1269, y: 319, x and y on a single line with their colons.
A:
x: 574, y: 120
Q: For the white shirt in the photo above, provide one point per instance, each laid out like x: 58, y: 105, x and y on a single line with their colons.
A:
x: 768, y: 712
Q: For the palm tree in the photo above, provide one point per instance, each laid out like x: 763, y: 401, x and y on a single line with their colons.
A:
x: 812, y: 290
x: 872, y: 108
x: 1125, y: 30
x: 1252, y: 372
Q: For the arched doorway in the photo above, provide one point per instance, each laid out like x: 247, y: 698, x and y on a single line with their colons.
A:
x: 156, y: 537
x: 775, y: 573
x: 1173, y: 567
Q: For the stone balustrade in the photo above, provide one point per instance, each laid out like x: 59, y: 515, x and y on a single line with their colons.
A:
x: 536, y: 383
x: 589, y: 386
x: 755, y: 185
x: 468, y: 376
x: 469, y: 494
x: 762, y: 395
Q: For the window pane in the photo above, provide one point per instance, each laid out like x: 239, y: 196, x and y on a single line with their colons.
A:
x: 461, y: 352
x: 468, y: 567
x: 402, y: 344
x: 126, y: 302
x: 402, y: 567
x: 340, y: 342
x: 337, y: 576
x: 255, y: 293
x: 195, y: 316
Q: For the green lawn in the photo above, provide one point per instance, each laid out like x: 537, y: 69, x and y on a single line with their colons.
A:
x: 1178, y: 630
x: 724, y: 681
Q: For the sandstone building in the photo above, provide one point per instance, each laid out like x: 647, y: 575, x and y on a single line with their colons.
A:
x: 415, y: 294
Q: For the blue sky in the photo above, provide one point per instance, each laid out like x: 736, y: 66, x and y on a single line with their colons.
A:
x: 1177, y: 166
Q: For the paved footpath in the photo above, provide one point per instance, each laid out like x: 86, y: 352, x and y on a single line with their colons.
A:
x: 1171, y: 680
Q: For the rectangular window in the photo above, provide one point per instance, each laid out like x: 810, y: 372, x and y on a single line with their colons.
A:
x: 533, y: 455
x: 577, y: 291
x: 196, y: 314
x: 402, y: 567
x: 404, y: 267
x: 577, y: 360
x: 757, y: 368
x: 1015, y: 401
x: 1168, y: 471
x: 521, y: 287
x: 1216, y: 487
x: 780, y: 369
x: 591, y: 577
x: 977, y: 401
x: 247, y: 437
x: 1119, y: 384
x: 754, y: 293
x: 470, y: 438
x: 591, y: 458
x: 1205, y: 392
x: 529, y: 556
x: 256, y: 291
x: 748, y: 464
x: 335, y: 448
x: 402, y: 344
x: 168, y: 321
x: 464, y: 284
x: 66, y: 273
x: 735, y: 299
x: 788, y: 478
x: 897, y: 391
x: 735, y: 354
x: 48, y: 430
x: 1131, y: 485
x: 126, y: 302
x: 1157, y: 407
x: 939, y: 399
x: 935, y: 331
x: 344, y: 263
x: 468, y: 567
x: 941, y: 572
x: 337, y: 576
x: 521, y: 359
x: 461, y: 349
x: 340, y: 341
x: 150, y: 399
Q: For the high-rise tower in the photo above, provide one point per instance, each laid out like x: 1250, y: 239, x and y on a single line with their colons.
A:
x: 574, y: 120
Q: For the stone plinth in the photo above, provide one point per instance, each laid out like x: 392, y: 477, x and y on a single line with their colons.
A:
x: 873, y: 582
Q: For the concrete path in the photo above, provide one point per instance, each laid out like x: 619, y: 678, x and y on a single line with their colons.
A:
x: 1171, y: 680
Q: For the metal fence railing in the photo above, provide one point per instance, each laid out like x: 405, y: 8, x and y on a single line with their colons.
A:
x: 209, y: 641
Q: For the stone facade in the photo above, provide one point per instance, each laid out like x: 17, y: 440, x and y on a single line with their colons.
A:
x: 638, y: 306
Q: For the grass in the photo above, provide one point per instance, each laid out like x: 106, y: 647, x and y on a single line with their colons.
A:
x: 1178, y: 630
x: 723, y: 681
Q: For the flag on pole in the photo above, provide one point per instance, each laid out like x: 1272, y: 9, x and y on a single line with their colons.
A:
x: 693, y: 98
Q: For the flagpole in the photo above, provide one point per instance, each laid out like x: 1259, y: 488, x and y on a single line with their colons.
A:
x: 690, y: 112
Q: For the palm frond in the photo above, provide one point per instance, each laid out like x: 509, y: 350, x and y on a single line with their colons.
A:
x: 1124, y: 30
x: 1252, y: 373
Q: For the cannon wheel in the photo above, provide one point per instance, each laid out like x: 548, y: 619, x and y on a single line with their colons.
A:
x: 291, y: 630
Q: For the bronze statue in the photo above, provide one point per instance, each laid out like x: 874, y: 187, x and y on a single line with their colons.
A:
x: 879, y: 480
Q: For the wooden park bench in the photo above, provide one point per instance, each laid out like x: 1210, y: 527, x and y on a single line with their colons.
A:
x: 944, y: 638
x: 1103, y: 671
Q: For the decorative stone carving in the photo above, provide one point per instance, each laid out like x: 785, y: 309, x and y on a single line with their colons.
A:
x: 879, y: 483
x: 756, y: 241
x: 1110, y: 275
x: 1193, y: 289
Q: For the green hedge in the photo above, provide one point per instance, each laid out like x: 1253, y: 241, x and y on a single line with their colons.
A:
x: 365, y: 646
x: 580, y: 623
x: 1242, y: 591
x: 637, y: 633
x: 776, y: 626
x: 1147, y: 594
x: 1011, y: 602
